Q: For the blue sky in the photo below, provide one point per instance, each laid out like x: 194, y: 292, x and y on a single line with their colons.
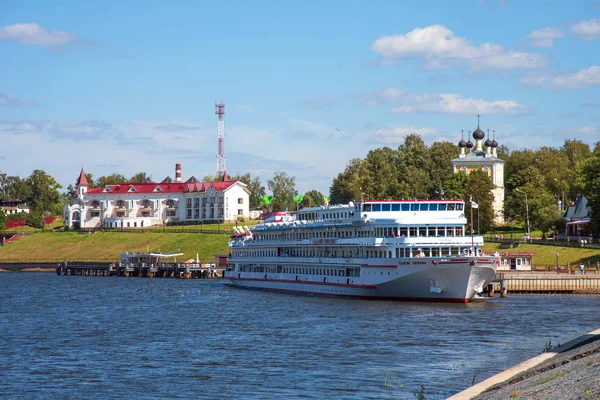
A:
x: 130, y: 86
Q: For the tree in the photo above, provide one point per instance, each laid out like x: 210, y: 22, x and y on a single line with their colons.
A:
x: 140, y: 177
x: 543, y: 210
x: 352, y: 184
x: 479, y: 189
x: 44, y: 192
x: 34, y: 220
x: 113, y: 179
x: 316, y: 198
x: 210, y: 178
x: 588, y: 176
x: 90, y: 178
x: 413, y: 167
x: 454, y: 186
x: 441, y: 155
x: 14, y: 187
x: 283, y: 189
x: 2, y: 219
x: 257, y: 190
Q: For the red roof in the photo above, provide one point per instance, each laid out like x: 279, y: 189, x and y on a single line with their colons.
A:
x: 137, y: 188
x: 82, y: 180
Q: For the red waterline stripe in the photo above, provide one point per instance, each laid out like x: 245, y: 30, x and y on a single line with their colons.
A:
x: 355, y: 296
x: 304, y: 282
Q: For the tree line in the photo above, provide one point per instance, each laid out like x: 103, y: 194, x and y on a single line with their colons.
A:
x: 413, y: 170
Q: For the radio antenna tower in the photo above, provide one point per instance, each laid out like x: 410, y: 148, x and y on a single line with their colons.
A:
x: 220, y: 111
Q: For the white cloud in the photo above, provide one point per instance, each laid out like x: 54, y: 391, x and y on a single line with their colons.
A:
x: 35, y: 34
x: 12, y: 101
x: 396, y: 135
x: 447, y: 103
x: 583, y: 78
x: 588, y: 29
x: 438, y: 46
x: 545, y: 37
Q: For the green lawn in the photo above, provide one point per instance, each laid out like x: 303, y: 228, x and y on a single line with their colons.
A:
x: 107, y: 246
x: 546, y: 255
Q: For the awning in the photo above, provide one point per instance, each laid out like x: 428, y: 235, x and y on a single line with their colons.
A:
x: 581, y: 222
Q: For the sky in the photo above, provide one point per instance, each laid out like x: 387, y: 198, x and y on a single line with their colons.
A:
x: 130, y: 86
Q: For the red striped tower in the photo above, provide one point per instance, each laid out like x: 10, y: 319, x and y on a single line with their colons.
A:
x: 178, y: 173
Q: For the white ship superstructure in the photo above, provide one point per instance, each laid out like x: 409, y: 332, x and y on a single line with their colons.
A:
x: 393, y: 249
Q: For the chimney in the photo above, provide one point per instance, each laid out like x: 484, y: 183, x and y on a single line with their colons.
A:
x: 178, y: 173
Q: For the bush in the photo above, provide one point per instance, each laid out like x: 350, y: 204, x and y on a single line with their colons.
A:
x: 17, y: 216
x: 35, y: 221
x: 241, y: 219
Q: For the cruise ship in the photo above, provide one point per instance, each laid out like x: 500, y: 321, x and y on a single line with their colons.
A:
x: 385, y: 249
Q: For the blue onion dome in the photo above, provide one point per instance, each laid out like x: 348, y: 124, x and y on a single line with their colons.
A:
x: 469, y: 144
x: 494, y: 144
x: 488, y: 143
x: 478, y: 134
x: 462, y: 143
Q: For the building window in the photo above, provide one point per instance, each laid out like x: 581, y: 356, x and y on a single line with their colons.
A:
x: 240, y: 211
x: 188, y: 203
x: 120, y: 214
x: 95, y: 214
x: 170, y: 213
x: 188, y: 214
x: 240, y: 200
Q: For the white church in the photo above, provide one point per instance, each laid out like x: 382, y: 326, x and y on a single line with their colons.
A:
x: 136, y: 205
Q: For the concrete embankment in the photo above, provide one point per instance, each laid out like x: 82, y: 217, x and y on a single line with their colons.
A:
x: 569, y: 371
x: 41, y: 266
x: 548, y: 282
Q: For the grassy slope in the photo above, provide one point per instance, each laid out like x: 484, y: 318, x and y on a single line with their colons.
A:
x: 106, y: 246
x: 546, y: 255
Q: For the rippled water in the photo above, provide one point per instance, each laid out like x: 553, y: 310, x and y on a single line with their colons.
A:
x: 95, y: 337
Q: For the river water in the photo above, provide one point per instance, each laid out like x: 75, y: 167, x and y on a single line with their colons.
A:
x: 72, y: 337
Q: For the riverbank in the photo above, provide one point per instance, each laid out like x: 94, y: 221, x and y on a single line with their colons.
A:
x: 568, y: 371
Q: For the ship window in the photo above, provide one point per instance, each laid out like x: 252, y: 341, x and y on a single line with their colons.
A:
x: 366, y: 207
x: 396, y: 207
x: 385, y: 207
x: 442, y: 207
x: 414, y: 207
x: 422, y: 231
x: 376, y: 207
x: 403, y: 232
x: 405, y: 207
x: 433, y: 207
x: 424, y: 207
x: 459, y: 207
x: 451, y: 207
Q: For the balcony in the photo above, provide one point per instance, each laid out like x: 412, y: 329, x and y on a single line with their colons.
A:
x: 170, y: 205
x: 95, y: 206
x: 146, y: 206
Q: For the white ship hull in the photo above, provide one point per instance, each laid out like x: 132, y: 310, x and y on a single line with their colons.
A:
x: 435, y: 279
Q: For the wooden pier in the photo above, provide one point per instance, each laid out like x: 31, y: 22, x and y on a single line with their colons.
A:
x: 166, y: 270
x: 547, y: 282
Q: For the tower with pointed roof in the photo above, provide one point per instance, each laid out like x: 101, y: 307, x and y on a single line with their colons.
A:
x: 483, y: 156
x: 81, y: 186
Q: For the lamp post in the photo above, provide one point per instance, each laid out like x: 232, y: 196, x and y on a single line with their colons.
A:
x: 557, y: 260
x: 563, y: 196
x: 527, y: 213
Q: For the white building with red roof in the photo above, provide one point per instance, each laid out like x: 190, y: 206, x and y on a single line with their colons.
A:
x: 136, y: 205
